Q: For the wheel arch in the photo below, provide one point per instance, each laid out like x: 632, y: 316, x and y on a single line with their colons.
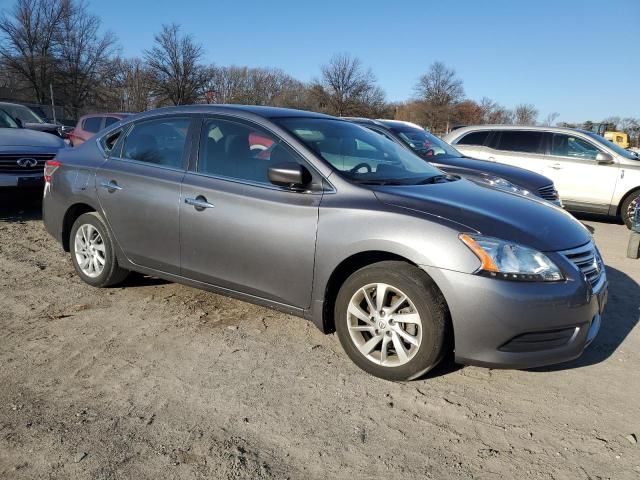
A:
x: 70, y: 216
x: 343, y: 270
x: 624, y: 197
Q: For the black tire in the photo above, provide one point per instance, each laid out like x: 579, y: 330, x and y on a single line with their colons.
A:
x: 429, y: 304
x: 111, y: 273
x: 624, y: 208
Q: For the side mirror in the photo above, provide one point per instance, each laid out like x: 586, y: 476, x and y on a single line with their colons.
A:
x: 604, y: 158
x: 290, y: 175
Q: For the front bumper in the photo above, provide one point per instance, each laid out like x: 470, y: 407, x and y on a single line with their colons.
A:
x: 505, y: 324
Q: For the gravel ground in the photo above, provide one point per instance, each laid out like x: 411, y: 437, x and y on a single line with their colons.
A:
x: 158, y: 380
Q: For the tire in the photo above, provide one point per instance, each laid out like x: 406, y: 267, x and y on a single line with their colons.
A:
x: 627, y: 208
x: 426, y: 338
x: 102, y: 269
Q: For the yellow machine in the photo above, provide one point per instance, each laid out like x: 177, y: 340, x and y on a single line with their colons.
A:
x: 619, y: 138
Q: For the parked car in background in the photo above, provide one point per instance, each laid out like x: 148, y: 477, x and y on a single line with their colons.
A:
x: 592, y: 174
x: 405, y: 262
x: 23, y: 154
x: 448, y: 159
x: 27, y: 118
x: 91, y: 124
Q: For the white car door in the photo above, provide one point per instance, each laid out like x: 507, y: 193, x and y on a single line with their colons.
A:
x: 520, y: 148
x: 581, y: 180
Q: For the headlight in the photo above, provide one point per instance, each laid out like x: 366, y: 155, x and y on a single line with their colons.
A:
x: 510, y: 261
x: 506, y: 185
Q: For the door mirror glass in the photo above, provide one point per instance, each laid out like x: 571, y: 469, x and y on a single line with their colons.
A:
x: 290, y: 174
x: 604, y: 158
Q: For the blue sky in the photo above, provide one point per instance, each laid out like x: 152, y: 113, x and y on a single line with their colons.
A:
x: 579, y: 58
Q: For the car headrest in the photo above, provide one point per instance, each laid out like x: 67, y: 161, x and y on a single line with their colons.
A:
x: 237, y: 146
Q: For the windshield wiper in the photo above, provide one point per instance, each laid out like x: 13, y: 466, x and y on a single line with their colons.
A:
x: 437, y: 179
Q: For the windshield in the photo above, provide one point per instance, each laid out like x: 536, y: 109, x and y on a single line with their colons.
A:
x: 616, y: 148
x: 424, y: 144
x: 24, y: 114
x: 359, y: 154
x: 6, y: 121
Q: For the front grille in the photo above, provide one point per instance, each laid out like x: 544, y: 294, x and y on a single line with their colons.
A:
x: 549, y: 192
x: 9, y: 162
x: 588, y: 261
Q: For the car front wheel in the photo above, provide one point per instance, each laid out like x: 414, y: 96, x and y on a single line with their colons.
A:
x: 392, y: 320
x: 629, y: 207
x: 92, y: 252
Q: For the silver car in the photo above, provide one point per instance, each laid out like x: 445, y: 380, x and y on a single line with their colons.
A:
x: 591, y: 173
x: 324, y: 219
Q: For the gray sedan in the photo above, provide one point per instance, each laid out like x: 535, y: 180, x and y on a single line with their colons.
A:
x: 327, y: 220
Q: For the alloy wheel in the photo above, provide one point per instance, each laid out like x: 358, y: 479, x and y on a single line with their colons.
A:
x: 384, y: 324
x: 631, y: 210
x: 90, y: 250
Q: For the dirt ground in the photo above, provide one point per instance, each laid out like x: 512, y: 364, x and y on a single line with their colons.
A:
x: 157, y: 380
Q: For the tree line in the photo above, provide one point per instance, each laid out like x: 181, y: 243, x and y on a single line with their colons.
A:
x: 60, y: 45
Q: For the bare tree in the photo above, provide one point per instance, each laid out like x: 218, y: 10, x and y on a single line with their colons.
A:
x: 550, y: 119
x: 128, y: 87
x: 440, y: 86
x: 525, y: 114
x: 347, y: 88
x: 27, y: 40
x: 494, y: 113
x: 174, y: 63
x: 83, y: 55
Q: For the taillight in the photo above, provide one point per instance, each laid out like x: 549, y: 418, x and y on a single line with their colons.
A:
x: 49, y: 168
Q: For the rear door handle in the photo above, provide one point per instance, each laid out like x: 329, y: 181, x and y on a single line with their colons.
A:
x: 112, y: 186
x: 556, y: 166
x: 491, y: 159
x: 199, y: 203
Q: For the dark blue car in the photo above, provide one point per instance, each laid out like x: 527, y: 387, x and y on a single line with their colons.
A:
x: 23, y: 153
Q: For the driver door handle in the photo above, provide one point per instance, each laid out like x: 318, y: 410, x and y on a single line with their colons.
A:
x: 199, y: 203
x: 557, y: 166
x: 112, y: 186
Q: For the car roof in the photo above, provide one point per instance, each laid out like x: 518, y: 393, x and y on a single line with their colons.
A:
x: 474, y: 128
x: 108, y: 114
x: 399, y: 123
x: 2, y: 104
x: 259, y: 110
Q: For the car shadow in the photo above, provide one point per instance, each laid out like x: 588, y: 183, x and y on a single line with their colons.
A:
x: 20, y: 205
x: 594, y: 217
x: 619, y: 318
x: 136, y: 279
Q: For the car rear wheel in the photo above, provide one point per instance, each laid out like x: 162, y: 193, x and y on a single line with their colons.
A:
x: 92, y: 252
x: 392, y: 320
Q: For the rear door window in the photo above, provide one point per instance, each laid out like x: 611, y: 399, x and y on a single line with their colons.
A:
x: 474, y: 138
x: 520, y: 141
x: 108, y: 121
x: 92, y: 124
x: 160, y: 141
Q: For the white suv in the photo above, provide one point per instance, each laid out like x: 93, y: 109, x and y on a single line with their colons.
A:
x: 591, y: 174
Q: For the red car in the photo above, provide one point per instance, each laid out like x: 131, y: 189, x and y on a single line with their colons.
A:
x: 91, y: 124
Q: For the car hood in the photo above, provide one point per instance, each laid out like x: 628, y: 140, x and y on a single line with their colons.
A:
x: 23, y: 137
x: 519, y: 176
x: 491, y: 212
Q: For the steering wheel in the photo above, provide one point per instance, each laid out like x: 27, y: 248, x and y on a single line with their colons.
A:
x: 361, y: 165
